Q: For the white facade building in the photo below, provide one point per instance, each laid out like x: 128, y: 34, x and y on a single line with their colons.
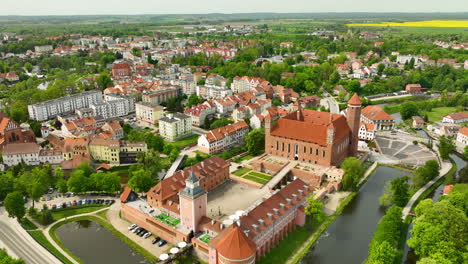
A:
x: 49, y: 109
x: 175, y: 126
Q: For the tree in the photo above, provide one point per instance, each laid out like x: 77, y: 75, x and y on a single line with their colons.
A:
x: 104, y: 80
x: 194, y: 100
x: 382, y: 254
x: 314, y: 208
x: 386, y: 198
x: 78, y: 182
x: 465, y: 152
x: 141, y: 181
x: 46, y: 215
x: 7, y: 184
x: 175, y: 152
x: 408, y: 109
x: 14, y: 205
x: 6, y: 259
x: 424, y: 174
x: 439, y: 231
x: 458, y: 197
x: 446, y: 147
x: 255, y: 142
x: 353, y: 171
x: 149, y: 161
x: 220, y: 123
x: 400, y: 191
x: 106, y: 181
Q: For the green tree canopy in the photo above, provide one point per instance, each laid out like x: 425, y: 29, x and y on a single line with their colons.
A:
x: 255, y: 142
x: 14, y: 205
x: 353, y: 172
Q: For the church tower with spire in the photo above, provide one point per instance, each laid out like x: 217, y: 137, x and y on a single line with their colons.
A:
x: 193, y: 202
x: 353, y: 116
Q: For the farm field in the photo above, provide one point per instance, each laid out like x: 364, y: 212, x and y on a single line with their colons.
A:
x: 429, y: 23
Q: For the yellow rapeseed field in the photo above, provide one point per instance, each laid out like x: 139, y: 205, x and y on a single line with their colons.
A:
x: 431, y: 23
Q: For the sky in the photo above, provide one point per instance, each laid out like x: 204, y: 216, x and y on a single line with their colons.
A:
x: 95, y: 7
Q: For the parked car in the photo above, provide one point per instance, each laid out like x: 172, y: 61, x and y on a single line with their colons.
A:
x: 74, y: 203
x: 162, y: 243
x: 148, y: 234
x: 64, y: 205
x: 136, y: 230
x: 79, y: 202
x: 59, y: 206
x: 112, y: 202
x: 132, y: 227
x: 155, y: 240
x: 54, y: 207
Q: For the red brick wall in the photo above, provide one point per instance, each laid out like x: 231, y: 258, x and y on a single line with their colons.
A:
x: 309, y: 177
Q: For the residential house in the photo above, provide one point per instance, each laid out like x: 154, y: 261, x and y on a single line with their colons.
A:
x: 374, y: 114
x: 200, y: 112
x: 148, y: 112
x: 413, y: 88
x: 462, y: 136
x: 366, y: 131
x: 223, y: 138
x: 456, y: 118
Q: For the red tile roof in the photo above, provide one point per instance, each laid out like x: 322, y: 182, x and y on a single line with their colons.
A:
x: 355, y: 100
x: 234, y: 244
x: 291, y: 127
x: 375, y: 112
x: 464, y: 131
x: 457, y: 116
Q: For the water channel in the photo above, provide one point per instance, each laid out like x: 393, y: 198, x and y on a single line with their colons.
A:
x: 100, y: 245
x: 347, y: 239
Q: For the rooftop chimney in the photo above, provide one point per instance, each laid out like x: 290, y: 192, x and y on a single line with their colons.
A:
x: 282, y: 205
x: 255, y: 227
x: 306, y: 187
x: 288, y: 200
x: 276, y: 210
x: 262, y: 222
x: 221, y: 226
x: 213, y: 221
x: 294, y: 196
x: 270, y: 216
x: 301, y: 192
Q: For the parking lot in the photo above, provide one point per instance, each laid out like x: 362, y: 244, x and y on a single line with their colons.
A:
x: 403, y: 151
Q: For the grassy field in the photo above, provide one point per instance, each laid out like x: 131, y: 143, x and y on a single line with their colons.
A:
x: 103, y: 214
x: 439, y: 112
x: 429, y: 23
x: 257, y: 177
x: 27, y: 224
x: 41, y: 239
x: 241, y: 172
x: 75, y: 210
x: 185, y: 141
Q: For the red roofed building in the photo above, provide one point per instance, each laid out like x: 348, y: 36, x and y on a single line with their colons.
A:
x: 223, y: 138
x: 456, y: 118
x: 315, y: 137
x: 413, y: 88
x: 462, y: 136
x: 121, y: 70
x: 11, y: 132
x: 374, y: 114
x: 232, y: 246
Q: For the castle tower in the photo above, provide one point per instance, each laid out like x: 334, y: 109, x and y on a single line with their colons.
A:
x: 353, y: 118
x: 193, y: 201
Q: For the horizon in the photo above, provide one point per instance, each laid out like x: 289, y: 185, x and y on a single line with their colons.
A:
x: 205, y: 7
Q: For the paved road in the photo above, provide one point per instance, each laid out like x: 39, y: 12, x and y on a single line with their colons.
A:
x: 333, y: 105
x: 17, y: 241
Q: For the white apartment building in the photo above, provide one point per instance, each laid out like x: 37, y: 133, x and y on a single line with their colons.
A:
x: 246, y: 83
x: 29, y: 153
x: 211, y: 91
x: 114, y: 106
x: 456, y: 118
x: 175, y: 126
x: 49, y: 109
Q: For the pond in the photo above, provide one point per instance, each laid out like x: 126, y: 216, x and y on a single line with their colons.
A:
x: 408, y: 254
x: 347, y: 239
x: 92, y: 243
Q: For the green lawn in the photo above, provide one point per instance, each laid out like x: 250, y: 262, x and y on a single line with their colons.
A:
x: 27, y: 224
x: 241, y: 171
x: 439, y: 112
x: 255, y: 179
x: 246, y: 157
x: 291, y: 243
x: 103, y: 214
x: 41, y: 239
x: 205, y: 238
x: 185, y: 141
x: 75, y: 210
x: 169, y: 220
x: 260, y: 175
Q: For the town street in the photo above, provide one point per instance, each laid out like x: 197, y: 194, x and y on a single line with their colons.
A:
x: 19, y: 243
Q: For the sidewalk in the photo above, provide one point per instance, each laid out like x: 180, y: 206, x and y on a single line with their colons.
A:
x: 446, y: 166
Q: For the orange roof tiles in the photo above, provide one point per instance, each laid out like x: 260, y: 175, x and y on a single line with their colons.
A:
x: 375, y: 112
x: 228, y: 130
x: 464, y: 131
x: 457, y: 116
x: 291, y: 127
x: 234, y: 244
x: 355, y: 100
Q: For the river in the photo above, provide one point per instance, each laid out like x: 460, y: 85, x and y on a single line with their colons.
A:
x: 92, y: 243
x: 408, y: 254
x: 347, y: 239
